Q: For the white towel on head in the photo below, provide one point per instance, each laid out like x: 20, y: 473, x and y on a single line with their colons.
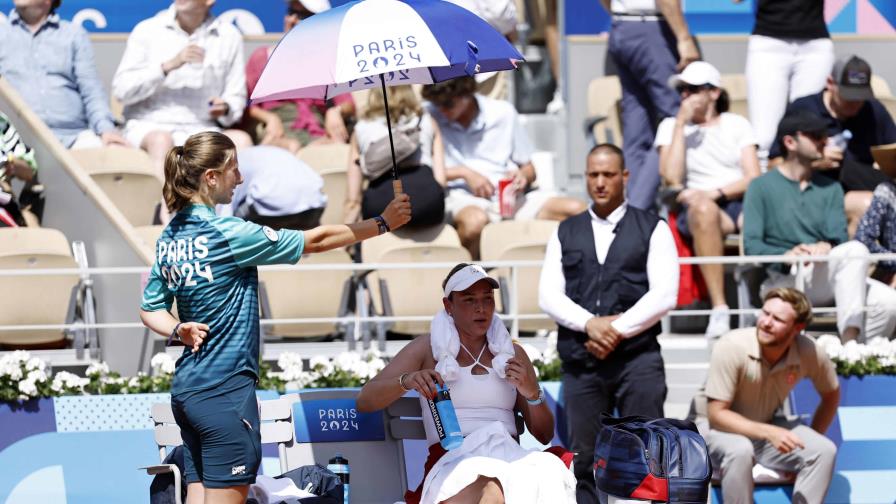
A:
x: 445, y: 343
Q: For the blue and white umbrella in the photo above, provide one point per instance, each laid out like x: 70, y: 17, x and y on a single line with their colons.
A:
x: 369, y: 43
x: 405, y: 41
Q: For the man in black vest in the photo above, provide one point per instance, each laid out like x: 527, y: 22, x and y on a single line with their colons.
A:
x: 610, y: 274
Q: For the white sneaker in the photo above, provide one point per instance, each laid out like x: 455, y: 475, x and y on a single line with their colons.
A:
x: 556, y: 105
x: 718, y: 322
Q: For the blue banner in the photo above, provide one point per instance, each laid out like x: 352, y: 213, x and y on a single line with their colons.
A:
x: 335, y: 420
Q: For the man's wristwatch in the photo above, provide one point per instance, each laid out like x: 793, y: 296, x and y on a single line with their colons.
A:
x: 381, y: 225
x: 538, y: 400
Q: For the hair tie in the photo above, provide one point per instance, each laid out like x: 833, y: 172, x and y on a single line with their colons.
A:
x: 179, y: 150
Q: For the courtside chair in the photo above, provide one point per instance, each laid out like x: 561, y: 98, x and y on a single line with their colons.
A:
x: 276, y: 427
x: 127, y: 176
x: 286, y: 295
x: 44, y: 299
x: 519, y: 241
x: 604, y: 123
x: 410, y: 292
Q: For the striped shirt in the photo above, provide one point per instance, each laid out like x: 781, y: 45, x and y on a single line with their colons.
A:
x: 11, y: 144
x: 208, y: 264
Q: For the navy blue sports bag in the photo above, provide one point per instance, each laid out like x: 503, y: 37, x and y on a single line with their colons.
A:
x: 659, y: 459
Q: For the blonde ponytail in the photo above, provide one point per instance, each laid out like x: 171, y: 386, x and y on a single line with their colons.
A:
x: 185, y: 165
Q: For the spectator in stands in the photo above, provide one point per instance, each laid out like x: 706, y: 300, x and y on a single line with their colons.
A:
x: 50, y: 63
x: 500, y: 14
x: 420, y: 153
x: 855, y: 122
x: 789, y: 55
x: 17, y: 162
x: 609, y: 275
x: 795, y: 211
x: 751, y: 373
x: 649, y: 40
x: 278, y: 190
x: 181, y: 73
x: 710, y: 155
x: 309, y: 120
x: 491, y: 380
x: 877, y: 230
x: 485, y: 143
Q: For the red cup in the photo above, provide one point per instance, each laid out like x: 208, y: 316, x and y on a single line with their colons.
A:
x: 506, y: 198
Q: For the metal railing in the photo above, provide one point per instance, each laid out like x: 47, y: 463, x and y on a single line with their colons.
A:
x: 358, y: 320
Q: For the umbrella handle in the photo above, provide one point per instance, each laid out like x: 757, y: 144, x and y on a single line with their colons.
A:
x: 396, y: 187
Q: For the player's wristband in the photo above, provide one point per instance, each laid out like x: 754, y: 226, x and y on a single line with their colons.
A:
x: 173, y: 336
x: 538, y: 400
x: 381, y: 225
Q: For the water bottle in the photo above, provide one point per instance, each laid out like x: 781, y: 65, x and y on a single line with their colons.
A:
x: 339, y: 466
x: 445, y: 419
x: 840, y: 140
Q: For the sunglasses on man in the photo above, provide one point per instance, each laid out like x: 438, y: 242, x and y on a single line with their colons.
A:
x: 692, y: 88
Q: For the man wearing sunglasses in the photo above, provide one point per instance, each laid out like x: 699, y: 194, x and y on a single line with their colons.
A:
x: 795, y: 211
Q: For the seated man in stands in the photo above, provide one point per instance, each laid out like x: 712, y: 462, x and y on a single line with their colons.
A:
x: 295, y: 123
x: 485, y: 143
x: 181, y: 73
x: 50, y: 63
x: 709, y: 154
x: 278, y: 190
x: 491, y: 380
x: 855, y: 122
x: 795, y: 211
x: 751, y: 372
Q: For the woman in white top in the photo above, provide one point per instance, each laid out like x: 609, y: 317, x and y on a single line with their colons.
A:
x: 419, y: 152
x: 710, y: 154
x: 490, y: 380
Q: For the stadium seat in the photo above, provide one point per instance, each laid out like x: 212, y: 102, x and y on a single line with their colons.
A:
x: 880, y: 87
x: 519, y: 241
x: 410, y: 292
x: 604, y: 123
x: 128, y: 178
x: 736, y: 85
x: 150, y: 235
x: 276, y: 427
x: 325, y: 157
x: 36, y: 300
x: 286, y: 295
x: 335, y: 187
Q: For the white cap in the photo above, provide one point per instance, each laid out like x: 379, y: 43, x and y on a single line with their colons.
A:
x: 697, y: 74
x: 315, y: 6
x: 463, y: 278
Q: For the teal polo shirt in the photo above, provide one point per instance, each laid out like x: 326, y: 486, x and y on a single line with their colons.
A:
x: 208, y: 264
x: 779, y: 215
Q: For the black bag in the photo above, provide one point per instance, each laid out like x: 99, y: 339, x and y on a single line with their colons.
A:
x: 660, y: 459
x: 324, y: 483
x: 377, y: 158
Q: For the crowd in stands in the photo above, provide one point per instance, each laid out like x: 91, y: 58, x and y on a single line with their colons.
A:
x: 718, y: 173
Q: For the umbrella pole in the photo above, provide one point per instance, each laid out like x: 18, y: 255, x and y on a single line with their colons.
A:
x: 396, y: 183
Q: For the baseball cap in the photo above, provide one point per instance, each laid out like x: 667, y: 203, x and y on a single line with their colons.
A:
x: 853, y: 77
x: 803, y: 121
x: 697, y: 73
x: 315, y: 6
x: 463, y: 278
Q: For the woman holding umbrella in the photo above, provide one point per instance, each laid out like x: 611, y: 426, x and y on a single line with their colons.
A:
x: 208, y: 265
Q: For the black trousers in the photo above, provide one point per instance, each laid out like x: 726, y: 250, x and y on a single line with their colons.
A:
x: 630, y: 386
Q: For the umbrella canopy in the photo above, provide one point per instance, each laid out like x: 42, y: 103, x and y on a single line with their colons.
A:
x: 349, y: 47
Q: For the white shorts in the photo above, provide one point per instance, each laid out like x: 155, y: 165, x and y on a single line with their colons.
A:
x: 135, y: 130
x: 527, y: 205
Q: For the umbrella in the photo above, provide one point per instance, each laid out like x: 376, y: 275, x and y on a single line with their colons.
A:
x: 370, y: 43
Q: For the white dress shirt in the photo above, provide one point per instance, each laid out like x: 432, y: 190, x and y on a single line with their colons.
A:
x: 662, y: 277
x: 182, y: 96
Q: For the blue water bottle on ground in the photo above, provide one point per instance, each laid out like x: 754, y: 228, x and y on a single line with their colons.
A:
x: 445, y: 419
x: 339, y: 466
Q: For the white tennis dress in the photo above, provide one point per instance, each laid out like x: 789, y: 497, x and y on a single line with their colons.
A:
x: 484, y: 405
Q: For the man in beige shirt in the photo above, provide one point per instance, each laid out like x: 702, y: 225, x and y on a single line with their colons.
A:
x: 751, y: 372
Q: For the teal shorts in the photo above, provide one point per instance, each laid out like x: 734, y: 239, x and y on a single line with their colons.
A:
x: 220, y: 430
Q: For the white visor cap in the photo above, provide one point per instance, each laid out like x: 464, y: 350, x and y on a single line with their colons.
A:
x: 463, y: 278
